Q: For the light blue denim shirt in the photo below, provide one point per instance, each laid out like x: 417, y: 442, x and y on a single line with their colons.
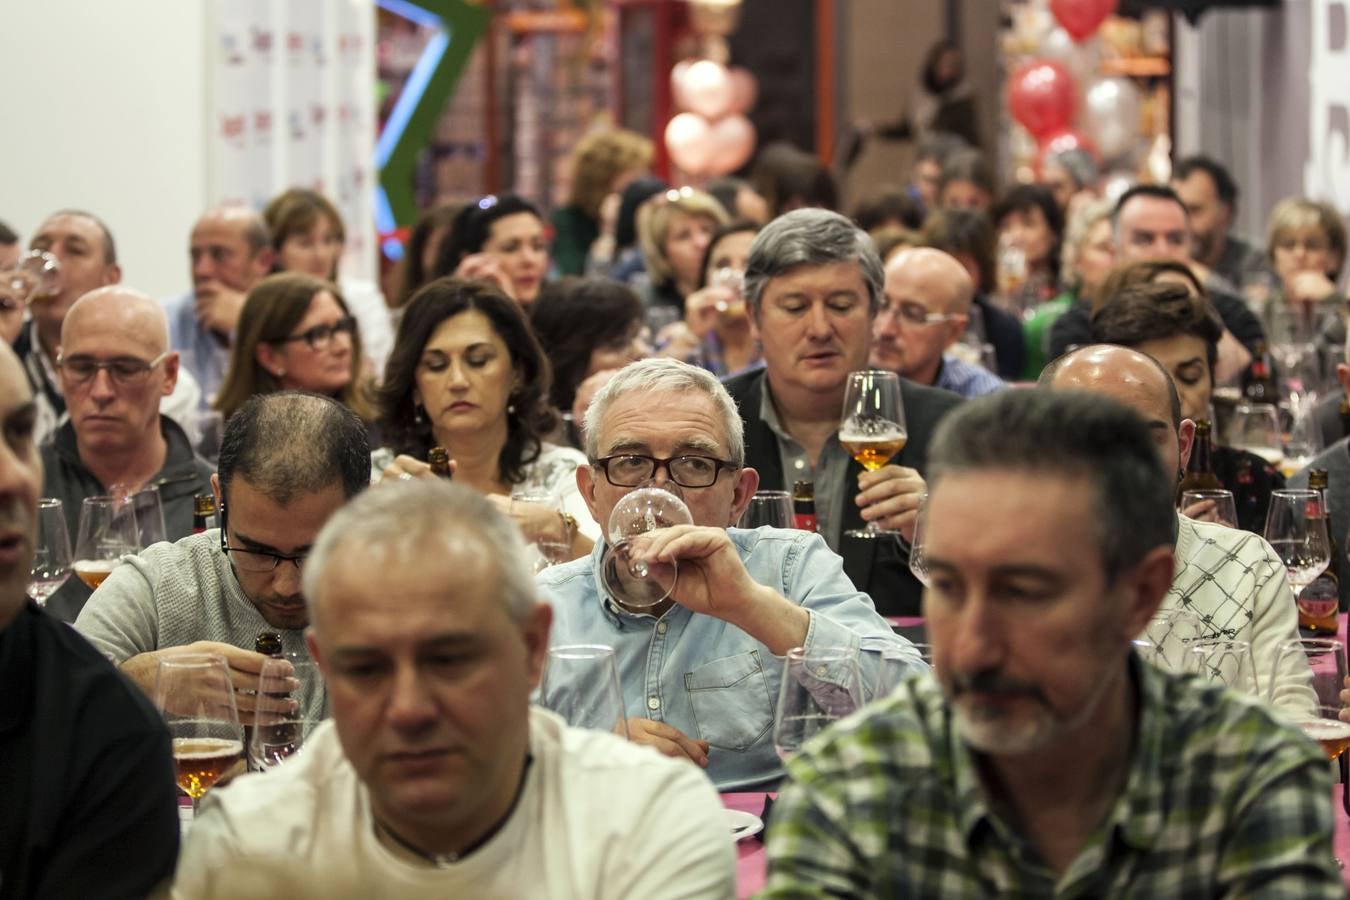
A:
x: 199, y: 351
x: 705, y: 676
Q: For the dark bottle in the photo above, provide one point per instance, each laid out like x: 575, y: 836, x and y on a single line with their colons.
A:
x: 1258, y: 381
x: 1320, y: 601
x: 203, y: 512
x: 1200, y: 474
x: 268, y: 643
x: 439, y: 458
x: 804, y: 505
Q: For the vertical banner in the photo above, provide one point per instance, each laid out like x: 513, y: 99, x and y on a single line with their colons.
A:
x: 239, y: 102
x: 306, y: 114
x: 1326, y: 173
x: 352, y: 89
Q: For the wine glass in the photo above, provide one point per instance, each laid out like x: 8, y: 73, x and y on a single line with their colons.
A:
x: 148, y: 509
x: 289, y: 692
x: 817, y: 689
x: 1296, y: 528
x: 1167, y: 637
x: 918, y: 562
x: 1255, y: 427
x: 51, y: 551
x: 545, y: 552
x: 1320, y: 718
x: 33, y: 276
x: 581, y: 684
x: 872, y: 427
x: 1224, y: 661
x: 635, y: 583
x: 1304, y: 441
x: 1223, y: 508
x: 107, y: 533
x: 195, y: 694
x: 772, y: 508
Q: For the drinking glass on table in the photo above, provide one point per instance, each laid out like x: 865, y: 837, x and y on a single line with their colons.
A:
x: 1166, y: 638
x: 107, y: 533
x: 772, y: 508
x: 1320, y: 718
x: 1255, y: 427
x: 1296, y: 528
x: 545, y: 551
x: 581, y: 683
x: 1218, y: 506
x: 872, y: 426
x: 897, y: 665
x: 817, y: 689
x: 288, y: 700
x: 1225, y: 662
x: 196, y: 696
x: 918, y: 563
x: 1305, y: 436
x: 51, y: 551
x: 148, y: 510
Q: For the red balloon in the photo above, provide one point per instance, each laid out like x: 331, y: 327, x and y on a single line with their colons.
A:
x: 1042, y: 97
x: 1067, y: 139
x: 1082, y: 18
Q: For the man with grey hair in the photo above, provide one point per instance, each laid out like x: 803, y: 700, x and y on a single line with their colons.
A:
x: 1046, y: 758
x: 435, y: 777
x: 116, y: 369
x: 700, y: 669
x: 814, y: 285
x: 230, y: 252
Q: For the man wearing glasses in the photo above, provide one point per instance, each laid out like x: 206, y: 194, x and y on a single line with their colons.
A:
x: 700, y: 671
x: 925, y: 308
x: 287, y: 462
x: 115, y: 369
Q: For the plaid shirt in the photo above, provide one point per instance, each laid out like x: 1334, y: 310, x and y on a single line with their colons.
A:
x: 1221, y: 800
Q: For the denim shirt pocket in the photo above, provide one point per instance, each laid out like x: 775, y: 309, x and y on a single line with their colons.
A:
x: 731, y: 701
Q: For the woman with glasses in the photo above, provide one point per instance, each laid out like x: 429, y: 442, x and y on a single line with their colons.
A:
x: 1307, y: 249
x: 296, y: 334
x: 499, y: 239
x: 468, y: 374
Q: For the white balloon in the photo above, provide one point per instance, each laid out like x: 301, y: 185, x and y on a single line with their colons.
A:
x: 733, y: 142
x: 689, y: 142
x: 1111, y: 115
x: 708, y: 90
x: 1082, y: 60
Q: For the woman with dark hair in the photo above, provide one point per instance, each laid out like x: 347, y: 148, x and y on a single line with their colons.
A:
x: 1030, y: 232
x: 468, y: 374
x: 500, y: 239
x: 295, y: 334
x: 419, y: 255
x: 1169, y: 321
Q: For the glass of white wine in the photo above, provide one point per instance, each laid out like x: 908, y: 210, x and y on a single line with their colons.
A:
x: 872, y: 427
x: 1297, y: 530
x: 196, y: 696
x: 51, y: 551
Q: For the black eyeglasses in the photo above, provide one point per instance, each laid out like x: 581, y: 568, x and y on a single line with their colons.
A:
x: 122, y: 369
x: 320, y: 336
x: 253, y: 560
x: 632, y: 470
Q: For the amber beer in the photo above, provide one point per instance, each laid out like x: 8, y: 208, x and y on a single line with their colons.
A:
x: 1319, y: 603
x: 874, y: 451
x: 1332, y: 734
x: 200, y: 762
x: 94, y: 572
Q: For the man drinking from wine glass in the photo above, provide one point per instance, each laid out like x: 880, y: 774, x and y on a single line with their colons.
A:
x: 288, y: 461
x: 87, y: 805
x: 814, y: 286
x: 1046, y: 758
x: 435, y: 777
x: 700, y: 670
x: 1231, y: 580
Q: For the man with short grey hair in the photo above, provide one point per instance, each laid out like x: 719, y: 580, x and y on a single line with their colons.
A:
x: 435, y: 777
x: 814, y: 286
x: 700, y: 669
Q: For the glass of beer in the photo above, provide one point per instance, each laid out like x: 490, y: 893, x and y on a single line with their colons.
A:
x: 196, y: 696
x: 107, y: 533
x: 1320, y: 711
x: 872, y: 427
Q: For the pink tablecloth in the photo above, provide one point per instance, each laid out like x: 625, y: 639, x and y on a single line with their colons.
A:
x: 750, y: 859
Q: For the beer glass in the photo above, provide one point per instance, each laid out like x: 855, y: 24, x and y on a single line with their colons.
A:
x: 1296, y: 528
x: 543, y: 552
x: 817, y: 689
x: 196, y: 696
x: 51, y: 551
x: 581, y: 684
x: 288, y: 694
x: 1222, y: 508
x: 1255, y: 427
x: 107, y: 533
x: 772, y: 508
x: 636, y: 583
x: 1320, y: 717
x: 872, y: 426
x: 1224, y: 662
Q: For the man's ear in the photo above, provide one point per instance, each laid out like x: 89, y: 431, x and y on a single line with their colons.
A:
x: 586, y: 486
x: 1186, y: 441
x: 747, y: 482
x: 1144, y: 588
x: 535, y: 629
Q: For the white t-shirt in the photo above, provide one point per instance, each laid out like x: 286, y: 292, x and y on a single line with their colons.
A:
x: 598, y: 818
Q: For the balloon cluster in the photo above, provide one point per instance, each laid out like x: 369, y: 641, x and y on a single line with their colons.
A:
x: 711, y: 135
x: 1043, y: 93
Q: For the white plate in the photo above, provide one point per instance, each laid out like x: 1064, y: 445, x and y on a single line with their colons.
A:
x: 743, y: 824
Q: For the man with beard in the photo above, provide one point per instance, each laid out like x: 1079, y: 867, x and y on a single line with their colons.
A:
x: 1047, y: 758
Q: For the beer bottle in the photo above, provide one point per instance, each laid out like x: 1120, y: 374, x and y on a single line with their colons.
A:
x: 1200, y: 468
x: 1258, y: 381
x: 203, y: 512
x: 268, y: 643
x: 804, y: 505
x: 439, y: 458
x: 1319, y: 602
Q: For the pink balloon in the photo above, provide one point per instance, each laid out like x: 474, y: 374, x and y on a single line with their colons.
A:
x: 1082, y: 18
x: 707, y: 89
x: 689, y: 142
x: 677, y: 75
x: 1042, y: 97
x: 744, y: 90
x: 733, y: 141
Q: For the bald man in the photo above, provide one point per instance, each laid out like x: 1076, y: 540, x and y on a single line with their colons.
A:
x: 924, y: 311
x: 229, y: 252
x: 115, y: 368
x: 1231, y: 580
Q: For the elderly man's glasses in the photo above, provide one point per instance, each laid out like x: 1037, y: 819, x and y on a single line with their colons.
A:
x: 320, y: 336
x: 916, y: 315
x: 122, y: 369
x: 252, y: 560
x: 632, y: 470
